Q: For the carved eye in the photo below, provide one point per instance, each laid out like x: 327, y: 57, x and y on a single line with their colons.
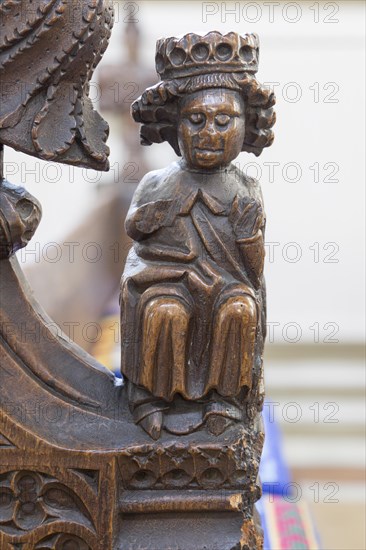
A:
x: 196, y: 118
x: 222, y: 120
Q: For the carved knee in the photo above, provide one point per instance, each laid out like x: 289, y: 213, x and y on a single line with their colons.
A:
x: 233, y: 345
x: 239, y: 308
x: 165, y: 309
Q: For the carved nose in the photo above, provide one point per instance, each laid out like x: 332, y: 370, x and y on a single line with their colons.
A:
x: 207, y: 131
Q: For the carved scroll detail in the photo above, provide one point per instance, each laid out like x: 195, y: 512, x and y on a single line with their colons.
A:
x: 29, y: 500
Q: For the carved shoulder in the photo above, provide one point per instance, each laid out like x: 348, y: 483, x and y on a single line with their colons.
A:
x: 153, y: 203
x: 155, y: 185
x: 248, y: 186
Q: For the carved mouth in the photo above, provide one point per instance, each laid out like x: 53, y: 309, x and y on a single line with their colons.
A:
x: 206, y: 150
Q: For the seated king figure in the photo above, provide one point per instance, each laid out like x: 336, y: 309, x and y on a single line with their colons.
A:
x: 192, y: 292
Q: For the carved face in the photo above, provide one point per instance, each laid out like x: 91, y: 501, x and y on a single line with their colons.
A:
x: 20, y: 214
x: 211, y: 128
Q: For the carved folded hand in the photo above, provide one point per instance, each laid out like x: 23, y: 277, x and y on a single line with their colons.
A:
x: 247, y: 219
x: 148, y: 218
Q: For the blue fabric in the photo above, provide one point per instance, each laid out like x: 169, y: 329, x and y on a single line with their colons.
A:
x: 274, y: 472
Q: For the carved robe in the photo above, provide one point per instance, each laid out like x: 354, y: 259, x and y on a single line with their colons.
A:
x: 192, y: 293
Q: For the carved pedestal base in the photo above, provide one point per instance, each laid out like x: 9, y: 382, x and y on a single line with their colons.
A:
x: 155, y: 496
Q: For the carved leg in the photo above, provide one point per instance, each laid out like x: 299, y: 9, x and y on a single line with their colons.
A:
x: 164, y: 342
x: 234, y: 336
x: 163, y: 360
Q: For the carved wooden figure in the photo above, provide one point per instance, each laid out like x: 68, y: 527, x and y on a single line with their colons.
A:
x: 77, y: 469
x: 192, y: 297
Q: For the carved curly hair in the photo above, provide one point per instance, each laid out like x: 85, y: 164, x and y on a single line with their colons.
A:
x: 157, y: 108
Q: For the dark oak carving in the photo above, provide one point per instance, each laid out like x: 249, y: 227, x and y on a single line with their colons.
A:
x: 49, y: 50
x: 169, y: 458
x: 192, y: 295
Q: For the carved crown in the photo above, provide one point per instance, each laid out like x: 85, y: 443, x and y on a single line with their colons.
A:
x: 193, y: 54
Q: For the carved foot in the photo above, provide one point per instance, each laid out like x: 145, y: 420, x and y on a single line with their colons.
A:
x: 146, y: 411
x: 217, y: 424
x: 152, y: 424
x: 220, y: 414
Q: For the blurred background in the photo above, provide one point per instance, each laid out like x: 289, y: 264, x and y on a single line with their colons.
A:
x: 312, y: 55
